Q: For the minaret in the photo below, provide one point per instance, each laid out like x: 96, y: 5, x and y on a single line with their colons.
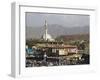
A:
x: 46, y: 30
x: 47, y: 36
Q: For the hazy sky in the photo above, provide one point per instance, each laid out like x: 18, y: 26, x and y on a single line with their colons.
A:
x: 38, y: 20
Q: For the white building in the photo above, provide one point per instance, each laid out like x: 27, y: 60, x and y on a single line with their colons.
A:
x: 46, y: 36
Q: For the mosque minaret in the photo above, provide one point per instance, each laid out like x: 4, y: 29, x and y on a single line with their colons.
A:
x: 46, y: 36
x: 46, y: 30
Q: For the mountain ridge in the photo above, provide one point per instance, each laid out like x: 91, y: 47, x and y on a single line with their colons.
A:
x: 55, y: 31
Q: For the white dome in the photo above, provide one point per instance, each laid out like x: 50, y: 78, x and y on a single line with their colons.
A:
x: 48, y: 37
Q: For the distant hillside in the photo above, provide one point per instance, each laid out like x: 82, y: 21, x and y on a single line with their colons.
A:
x: 55, y: 31
x: 74, y: 37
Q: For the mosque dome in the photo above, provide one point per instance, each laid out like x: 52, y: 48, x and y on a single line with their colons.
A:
x: 47, y: 37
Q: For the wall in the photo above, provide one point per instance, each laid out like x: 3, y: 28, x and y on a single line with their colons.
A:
x: 5, y: 39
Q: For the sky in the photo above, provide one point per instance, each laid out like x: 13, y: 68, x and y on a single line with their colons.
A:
x: 66, y: 20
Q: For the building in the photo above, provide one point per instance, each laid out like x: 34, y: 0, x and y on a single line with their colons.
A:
x: 46, y: 36
x: 59, y: 49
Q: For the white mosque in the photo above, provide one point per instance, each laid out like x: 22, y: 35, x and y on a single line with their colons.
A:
x: 46, y: 36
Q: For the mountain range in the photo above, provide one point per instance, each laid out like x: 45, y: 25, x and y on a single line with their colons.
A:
x: 55, y: 30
